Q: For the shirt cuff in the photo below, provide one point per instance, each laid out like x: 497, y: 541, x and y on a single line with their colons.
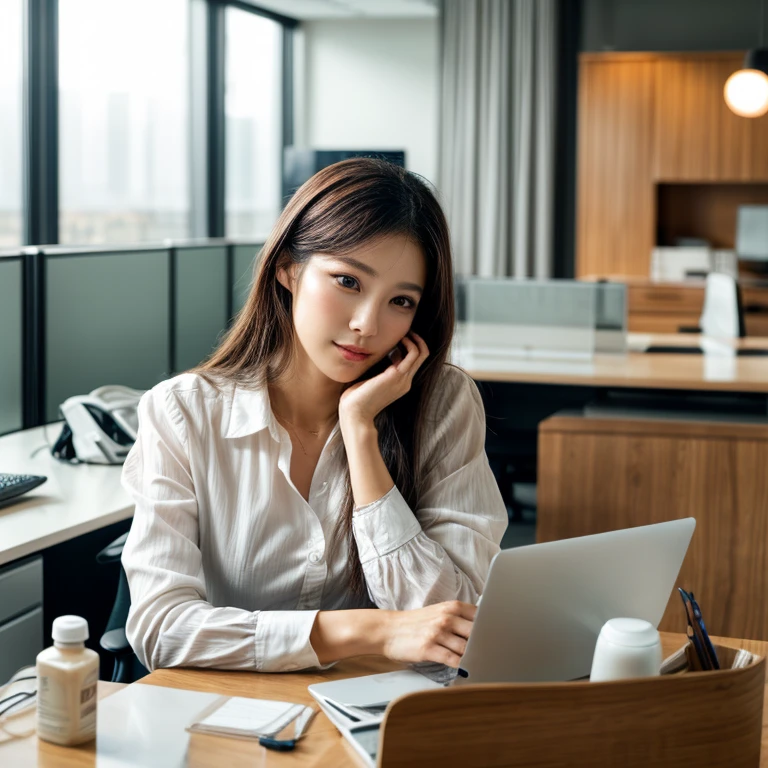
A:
x: 383, y: 526
x: 282, y: 641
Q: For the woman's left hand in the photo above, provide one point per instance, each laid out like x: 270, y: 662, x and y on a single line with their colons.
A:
x: 361, y: 402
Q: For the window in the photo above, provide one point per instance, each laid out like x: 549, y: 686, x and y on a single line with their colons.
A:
x: 253, y: 104
x: 123, y: 120
x: 11, y: 32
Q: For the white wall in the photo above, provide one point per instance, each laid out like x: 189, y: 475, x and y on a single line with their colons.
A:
x: 371, y: 85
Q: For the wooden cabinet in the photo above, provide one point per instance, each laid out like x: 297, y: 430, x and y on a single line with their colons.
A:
x: 666, y: 308
x: 659, y: 308
x: 615, y: 198
x: 662, y: 470
x: 697, y: 137
x: 648, y: 120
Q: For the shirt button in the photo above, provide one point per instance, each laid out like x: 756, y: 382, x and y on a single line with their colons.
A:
x: 315, y: 557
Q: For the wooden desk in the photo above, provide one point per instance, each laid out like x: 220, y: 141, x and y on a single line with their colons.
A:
x: 634, y: 369
x: 323, y: 746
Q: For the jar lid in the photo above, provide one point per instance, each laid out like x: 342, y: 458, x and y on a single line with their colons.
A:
x: 70, y: 629
x: 630, y: 632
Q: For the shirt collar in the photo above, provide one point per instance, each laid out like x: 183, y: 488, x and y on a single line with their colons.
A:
x: 250, y: 411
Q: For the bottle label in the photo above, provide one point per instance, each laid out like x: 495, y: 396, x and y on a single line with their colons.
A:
x: 54, y: 713
x: 88, y: 702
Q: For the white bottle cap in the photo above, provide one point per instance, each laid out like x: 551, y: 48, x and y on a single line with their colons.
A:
x: 634, y: 633
x: 70, y: 629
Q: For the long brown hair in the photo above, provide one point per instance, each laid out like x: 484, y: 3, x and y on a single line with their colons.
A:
x: 339, y: 209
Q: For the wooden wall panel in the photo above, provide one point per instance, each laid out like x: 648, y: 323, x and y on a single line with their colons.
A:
x: 697, y: 137
x: 662, y: 470
x: 615, y: 197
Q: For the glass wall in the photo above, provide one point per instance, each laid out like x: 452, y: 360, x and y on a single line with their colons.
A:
x: 253, y: 143
x: 10, y: 121
x: 123, y: 120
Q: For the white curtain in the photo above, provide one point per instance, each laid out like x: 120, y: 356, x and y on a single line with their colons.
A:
x: 497, y: 111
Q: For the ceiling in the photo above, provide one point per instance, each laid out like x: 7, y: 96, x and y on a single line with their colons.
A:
x: 308, y: 10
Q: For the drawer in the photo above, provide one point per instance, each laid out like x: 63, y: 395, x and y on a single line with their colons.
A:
x: 755, y: 300
x: 647, y: 322
x: 20, y: 641
x: 666, y: 299
x: 21, y: 588
x: 756, y: 324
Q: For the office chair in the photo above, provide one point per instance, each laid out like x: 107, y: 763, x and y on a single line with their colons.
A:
x: 127, y: 667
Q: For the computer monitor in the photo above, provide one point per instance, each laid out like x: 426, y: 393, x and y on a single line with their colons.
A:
x: 752, y: 233
x: 300, y: 164
x: 11, y: 342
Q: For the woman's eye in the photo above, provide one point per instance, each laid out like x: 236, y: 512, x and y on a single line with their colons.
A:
x: 405, y: 302
x: 345, y: 281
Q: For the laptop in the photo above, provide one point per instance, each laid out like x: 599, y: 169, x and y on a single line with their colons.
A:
x: 538, y: 620
x: 544, y: 605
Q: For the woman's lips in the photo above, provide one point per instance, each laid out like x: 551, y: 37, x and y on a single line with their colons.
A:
x: 349, y: 354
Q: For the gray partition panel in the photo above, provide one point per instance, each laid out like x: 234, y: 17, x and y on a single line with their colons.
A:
x: 106, y: 322
x: 201, y: 303
x: 10, y: 344
x: 244, y: 261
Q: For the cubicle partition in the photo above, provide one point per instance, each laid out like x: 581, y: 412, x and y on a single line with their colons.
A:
x: 11, y: 341
x: 542, y: 318
x: 202, y: 297
x: 91, y: 317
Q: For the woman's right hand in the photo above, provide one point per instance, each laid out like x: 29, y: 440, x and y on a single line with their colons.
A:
x: 436, y: 633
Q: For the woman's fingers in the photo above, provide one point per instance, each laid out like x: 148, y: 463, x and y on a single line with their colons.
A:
x: 461, y: 627
x: 417, y: 353
x: 452, y: 642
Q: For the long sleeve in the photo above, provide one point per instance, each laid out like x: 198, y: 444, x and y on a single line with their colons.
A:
x: 442, y: 550
x: 171, y: 623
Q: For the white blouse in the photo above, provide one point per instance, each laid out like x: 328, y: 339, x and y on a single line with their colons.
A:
x: 228, y: 564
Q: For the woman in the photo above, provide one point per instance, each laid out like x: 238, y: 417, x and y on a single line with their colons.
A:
x: 326, y: 456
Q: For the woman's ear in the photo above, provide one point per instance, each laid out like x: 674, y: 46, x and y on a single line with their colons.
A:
x: 285, y: 276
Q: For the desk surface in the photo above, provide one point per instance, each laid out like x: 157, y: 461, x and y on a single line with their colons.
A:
x: 323, y: 746
x: 75, y: 500
x: 714, y: 372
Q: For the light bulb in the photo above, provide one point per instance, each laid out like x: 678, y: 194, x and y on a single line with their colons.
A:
x: 746, y: 92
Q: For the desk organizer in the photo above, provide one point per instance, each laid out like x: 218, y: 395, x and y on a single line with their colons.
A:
x: 691, y: 719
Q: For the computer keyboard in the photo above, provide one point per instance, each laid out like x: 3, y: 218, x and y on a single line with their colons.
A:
x: 14, y: 485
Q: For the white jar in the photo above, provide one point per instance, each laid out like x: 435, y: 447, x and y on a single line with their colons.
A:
x: 626, y: 648
x: 67, y: 674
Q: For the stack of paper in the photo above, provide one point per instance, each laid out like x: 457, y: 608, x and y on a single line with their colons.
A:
x: 250, y: 718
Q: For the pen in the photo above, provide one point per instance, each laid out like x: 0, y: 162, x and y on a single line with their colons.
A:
x: 286, y: 745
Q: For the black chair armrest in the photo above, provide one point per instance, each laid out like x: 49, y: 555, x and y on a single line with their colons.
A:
x: 115, y: 641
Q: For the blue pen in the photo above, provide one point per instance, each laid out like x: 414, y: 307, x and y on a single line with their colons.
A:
x: 286, y: 745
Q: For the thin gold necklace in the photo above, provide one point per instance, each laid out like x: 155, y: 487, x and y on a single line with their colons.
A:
x: 294, y: 429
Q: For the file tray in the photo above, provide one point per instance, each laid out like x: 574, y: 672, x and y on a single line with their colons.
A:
x: 691, y: 719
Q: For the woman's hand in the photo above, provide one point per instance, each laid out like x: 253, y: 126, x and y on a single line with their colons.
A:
x: 435, y: 633
x: 361, y: 402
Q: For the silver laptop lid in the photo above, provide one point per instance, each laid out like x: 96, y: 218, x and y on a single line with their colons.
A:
x: 543, y: 605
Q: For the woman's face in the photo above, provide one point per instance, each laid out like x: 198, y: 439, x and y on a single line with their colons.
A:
x: 350, y: 311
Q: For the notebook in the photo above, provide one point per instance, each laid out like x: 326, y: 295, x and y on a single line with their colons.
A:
x: 356, y: 705
x: 249, y: 718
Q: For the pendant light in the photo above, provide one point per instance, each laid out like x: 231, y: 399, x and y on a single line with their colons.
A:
x: 746, y: 91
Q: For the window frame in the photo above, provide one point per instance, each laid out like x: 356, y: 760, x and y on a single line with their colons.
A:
x: 40, y: 105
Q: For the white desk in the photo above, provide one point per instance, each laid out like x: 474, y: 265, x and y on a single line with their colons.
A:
x: 76, y: 499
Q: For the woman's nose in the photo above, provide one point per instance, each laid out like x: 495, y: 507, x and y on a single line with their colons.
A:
x: 364, y: 321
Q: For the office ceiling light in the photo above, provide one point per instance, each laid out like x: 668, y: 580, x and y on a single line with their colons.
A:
x: 746, y: 91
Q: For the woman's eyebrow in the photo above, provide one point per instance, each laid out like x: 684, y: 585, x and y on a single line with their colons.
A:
x: 368, y: 270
